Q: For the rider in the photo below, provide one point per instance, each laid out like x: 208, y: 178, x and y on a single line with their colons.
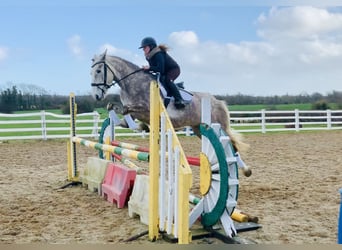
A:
x: 160, y: 61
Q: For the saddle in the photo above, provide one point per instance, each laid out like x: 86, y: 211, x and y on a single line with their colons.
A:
x: 186, y: 95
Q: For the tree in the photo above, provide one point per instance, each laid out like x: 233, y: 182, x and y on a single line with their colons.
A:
x: 321, y: 105
x: 9, y: 100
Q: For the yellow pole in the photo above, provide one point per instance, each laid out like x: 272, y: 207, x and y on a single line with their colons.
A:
x: 184, y: 233
x: 238, y: 216
x: 72, y: 166
x: 153, y: 228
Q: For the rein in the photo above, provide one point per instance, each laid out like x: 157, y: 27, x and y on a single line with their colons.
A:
x: 132, y: 73
x: 106, y: 66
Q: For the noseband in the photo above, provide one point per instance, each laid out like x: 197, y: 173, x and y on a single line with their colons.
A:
x: 104, y: 83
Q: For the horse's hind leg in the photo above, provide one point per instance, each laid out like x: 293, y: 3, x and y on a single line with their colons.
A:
x: 144, y: 127
x: 220, y: 114
x: 196, y: 130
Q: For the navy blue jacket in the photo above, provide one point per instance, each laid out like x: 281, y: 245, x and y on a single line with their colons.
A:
x: 160, y: 61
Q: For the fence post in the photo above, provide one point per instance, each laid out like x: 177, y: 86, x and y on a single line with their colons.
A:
x: 43, y: 122
x: 263, y: 121
x: 328, y: 118
x: 297, y: 119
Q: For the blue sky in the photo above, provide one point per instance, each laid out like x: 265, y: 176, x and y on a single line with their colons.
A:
x: 248, y: 47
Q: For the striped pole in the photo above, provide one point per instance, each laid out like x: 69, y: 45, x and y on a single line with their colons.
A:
x: 141, y: 156
x: 129, y: 163
x: 129, y: 146
x: 193, y: 161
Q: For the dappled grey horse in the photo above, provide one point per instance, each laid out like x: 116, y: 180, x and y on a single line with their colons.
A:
x: 135, y: 96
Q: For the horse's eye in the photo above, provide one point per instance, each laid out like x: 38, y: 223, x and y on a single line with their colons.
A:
x: 98, y: 71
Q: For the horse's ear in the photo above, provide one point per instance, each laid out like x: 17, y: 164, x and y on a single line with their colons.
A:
x: 103, y: 56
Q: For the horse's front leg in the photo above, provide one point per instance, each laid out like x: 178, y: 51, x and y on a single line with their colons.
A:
x: 129, y: 122
x: 134, y: 109
x: 126, y: 122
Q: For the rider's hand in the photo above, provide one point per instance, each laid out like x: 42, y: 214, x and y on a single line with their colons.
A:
x: 145, y: 67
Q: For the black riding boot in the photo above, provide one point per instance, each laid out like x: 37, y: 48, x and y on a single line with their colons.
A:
x: 179, y: 103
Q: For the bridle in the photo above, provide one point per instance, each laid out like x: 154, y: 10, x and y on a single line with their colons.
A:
x: 115, y: 80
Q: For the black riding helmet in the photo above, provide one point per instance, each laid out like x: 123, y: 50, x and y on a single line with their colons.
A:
x: 148, y: 41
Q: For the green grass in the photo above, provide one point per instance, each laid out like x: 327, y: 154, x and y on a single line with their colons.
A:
x: 103, y: 112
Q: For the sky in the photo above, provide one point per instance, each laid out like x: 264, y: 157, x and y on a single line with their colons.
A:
x: 223, y: 47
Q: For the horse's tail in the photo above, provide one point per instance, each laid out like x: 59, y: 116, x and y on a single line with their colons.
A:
x: 235, y: 137
x: 237, y: 141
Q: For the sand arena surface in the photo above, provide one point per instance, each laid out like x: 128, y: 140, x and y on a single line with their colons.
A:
x: 293, y: 190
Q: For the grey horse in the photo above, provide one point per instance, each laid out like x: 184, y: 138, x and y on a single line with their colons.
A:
x: 134, y: 83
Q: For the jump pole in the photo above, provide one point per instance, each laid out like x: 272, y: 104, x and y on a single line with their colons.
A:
x: 193, y: 161
x: 137, y: 155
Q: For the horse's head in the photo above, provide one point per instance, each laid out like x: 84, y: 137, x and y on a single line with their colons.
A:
x: 102, y: 76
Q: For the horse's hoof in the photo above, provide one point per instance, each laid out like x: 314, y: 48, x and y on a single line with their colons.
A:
x: 247, y: 172
x: 110, y: 106
x: 144, y: 127
x: 125, y: 110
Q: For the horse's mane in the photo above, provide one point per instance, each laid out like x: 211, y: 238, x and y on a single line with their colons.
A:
x: 139, y: 79
x: 129, y: 64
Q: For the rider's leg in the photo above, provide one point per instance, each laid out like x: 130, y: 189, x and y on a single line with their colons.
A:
x: 179, y: 103
x: 172, y: 88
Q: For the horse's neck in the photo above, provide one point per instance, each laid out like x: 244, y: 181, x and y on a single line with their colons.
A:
x: 135, y: 86
x: 121, y: 67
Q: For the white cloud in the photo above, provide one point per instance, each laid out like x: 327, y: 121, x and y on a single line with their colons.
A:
x: 112, y: 50
x: 300, y: 22
x: 214, y: 67
x: 203, y: 54
x: 300, y: 50
x: 3, y: 53
x: 74, y: 44
x: 184, y: 38
x: 304, y: 33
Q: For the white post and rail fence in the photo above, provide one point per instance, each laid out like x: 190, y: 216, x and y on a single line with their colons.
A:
x: 46, y: 125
